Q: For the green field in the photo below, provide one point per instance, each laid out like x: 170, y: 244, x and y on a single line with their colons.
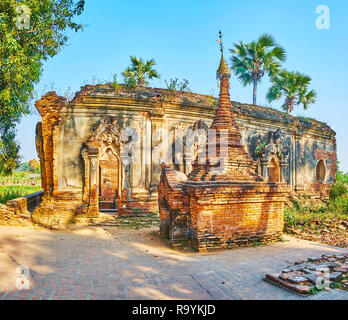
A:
x: 12, y: 192
x: 21, y: 179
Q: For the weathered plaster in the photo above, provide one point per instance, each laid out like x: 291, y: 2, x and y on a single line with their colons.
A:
x: 159, y: 118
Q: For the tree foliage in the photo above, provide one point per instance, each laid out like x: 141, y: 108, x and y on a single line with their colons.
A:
x: 293, y: 86
x: 139, y: 71
x: 30, y: 33
x: 9, y: 149
x: 251, y: 61
x: 34, y: 166
x: 23, y: 167
x: 340, y: 187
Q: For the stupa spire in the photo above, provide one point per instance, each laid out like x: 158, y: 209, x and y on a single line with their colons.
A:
x: 223, y: 69
x: 225, y: 156
x: 224, y: 118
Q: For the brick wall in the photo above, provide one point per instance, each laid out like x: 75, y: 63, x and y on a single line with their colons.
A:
x: 235, y: 215
x: 220, y: 216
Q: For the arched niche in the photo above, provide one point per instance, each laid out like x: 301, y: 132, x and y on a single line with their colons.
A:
x: 274, y: 173
x: 320, y: 171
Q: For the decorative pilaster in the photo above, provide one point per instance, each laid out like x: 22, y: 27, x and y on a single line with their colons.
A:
x: 157, y: 118
x: 264, y: 165
x: 93, y: 208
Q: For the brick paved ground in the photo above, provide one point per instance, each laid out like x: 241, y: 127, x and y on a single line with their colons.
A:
x: 129, y: 264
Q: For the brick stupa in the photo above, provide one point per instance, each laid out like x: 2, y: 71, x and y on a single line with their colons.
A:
x: 229, y: 160
x: 223, y: 203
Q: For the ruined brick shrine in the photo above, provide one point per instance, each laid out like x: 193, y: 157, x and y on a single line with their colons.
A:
x: 102, y: 152
x: 223, y: 203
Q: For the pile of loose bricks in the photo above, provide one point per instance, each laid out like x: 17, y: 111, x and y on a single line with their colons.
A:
x: 313, y: 275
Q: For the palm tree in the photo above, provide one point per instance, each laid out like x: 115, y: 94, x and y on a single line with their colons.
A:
x: 294, y: 87
x: 140, y: 71
x: 251, y: 61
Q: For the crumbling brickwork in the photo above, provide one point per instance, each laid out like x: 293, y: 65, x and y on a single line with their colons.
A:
x: 6, y: 210
x: 57, y: 208
x: 49, y: 107
x: 330, y: 158
x: 174, y: 207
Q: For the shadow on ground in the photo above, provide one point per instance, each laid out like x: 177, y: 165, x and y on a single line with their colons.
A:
x: 110, y: 263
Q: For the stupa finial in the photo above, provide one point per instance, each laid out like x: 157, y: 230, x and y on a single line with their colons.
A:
x: 221, y: 44
x: 223, y: 69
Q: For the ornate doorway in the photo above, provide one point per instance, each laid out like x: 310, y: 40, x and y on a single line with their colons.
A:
x: 108, y: 181
x: 103, y: 169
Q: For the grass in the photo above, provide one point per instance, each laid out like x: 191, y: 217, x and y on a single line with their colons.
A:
x: 317, y: 215
x: 137, y: 222
x: 302, y: 213
x: 21, y: 179
x: 325, y: 221
x: 304, y: 210
x: 12, y: 192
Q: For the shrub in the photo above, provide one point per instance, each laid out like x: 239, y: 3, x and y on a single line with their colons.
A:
x: 175, y: 85
x: 339, y: 204
x: 340, y: 187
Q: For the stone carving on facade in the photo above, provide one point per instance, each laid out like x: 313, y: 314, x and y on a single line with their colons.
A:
x: 195, y: 139
x: 265, y: 148
x: 158, y: 111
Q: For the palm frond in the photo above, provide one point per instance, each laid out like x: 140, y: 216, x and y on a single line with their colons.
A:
x: 307, y: 99
x: 128, y: 72
x: 294, y: 87
x: 140, y: 70
x: 239, y: 49
x: 274, y: 93
x: 245, y: 78
x: 266, y: 40
x: 153, y: 74
x: 279, y: 53
x: 150, y: 63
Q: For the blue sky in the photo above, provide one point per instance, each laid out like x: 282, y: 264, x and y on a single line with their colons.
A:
x: 181, y: 36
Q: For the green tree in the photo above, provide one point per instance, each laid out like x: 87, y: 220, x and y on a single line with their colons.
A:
x: 293, y: 86
x: 23, y: 167
x: 251, y: 61
x: 34, y: 166
x: 30, y: 33
x: 9, y: 149
x: 139, y: 71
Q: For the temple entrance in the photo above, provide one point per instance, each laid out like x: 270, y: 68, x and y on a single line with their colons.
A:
x: 103, y: 169
x: 274, y: 174
x: 109, y: 188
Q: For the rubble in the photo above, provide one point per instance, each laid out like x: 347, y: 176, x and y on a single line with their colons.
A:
x: 318, y: 273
